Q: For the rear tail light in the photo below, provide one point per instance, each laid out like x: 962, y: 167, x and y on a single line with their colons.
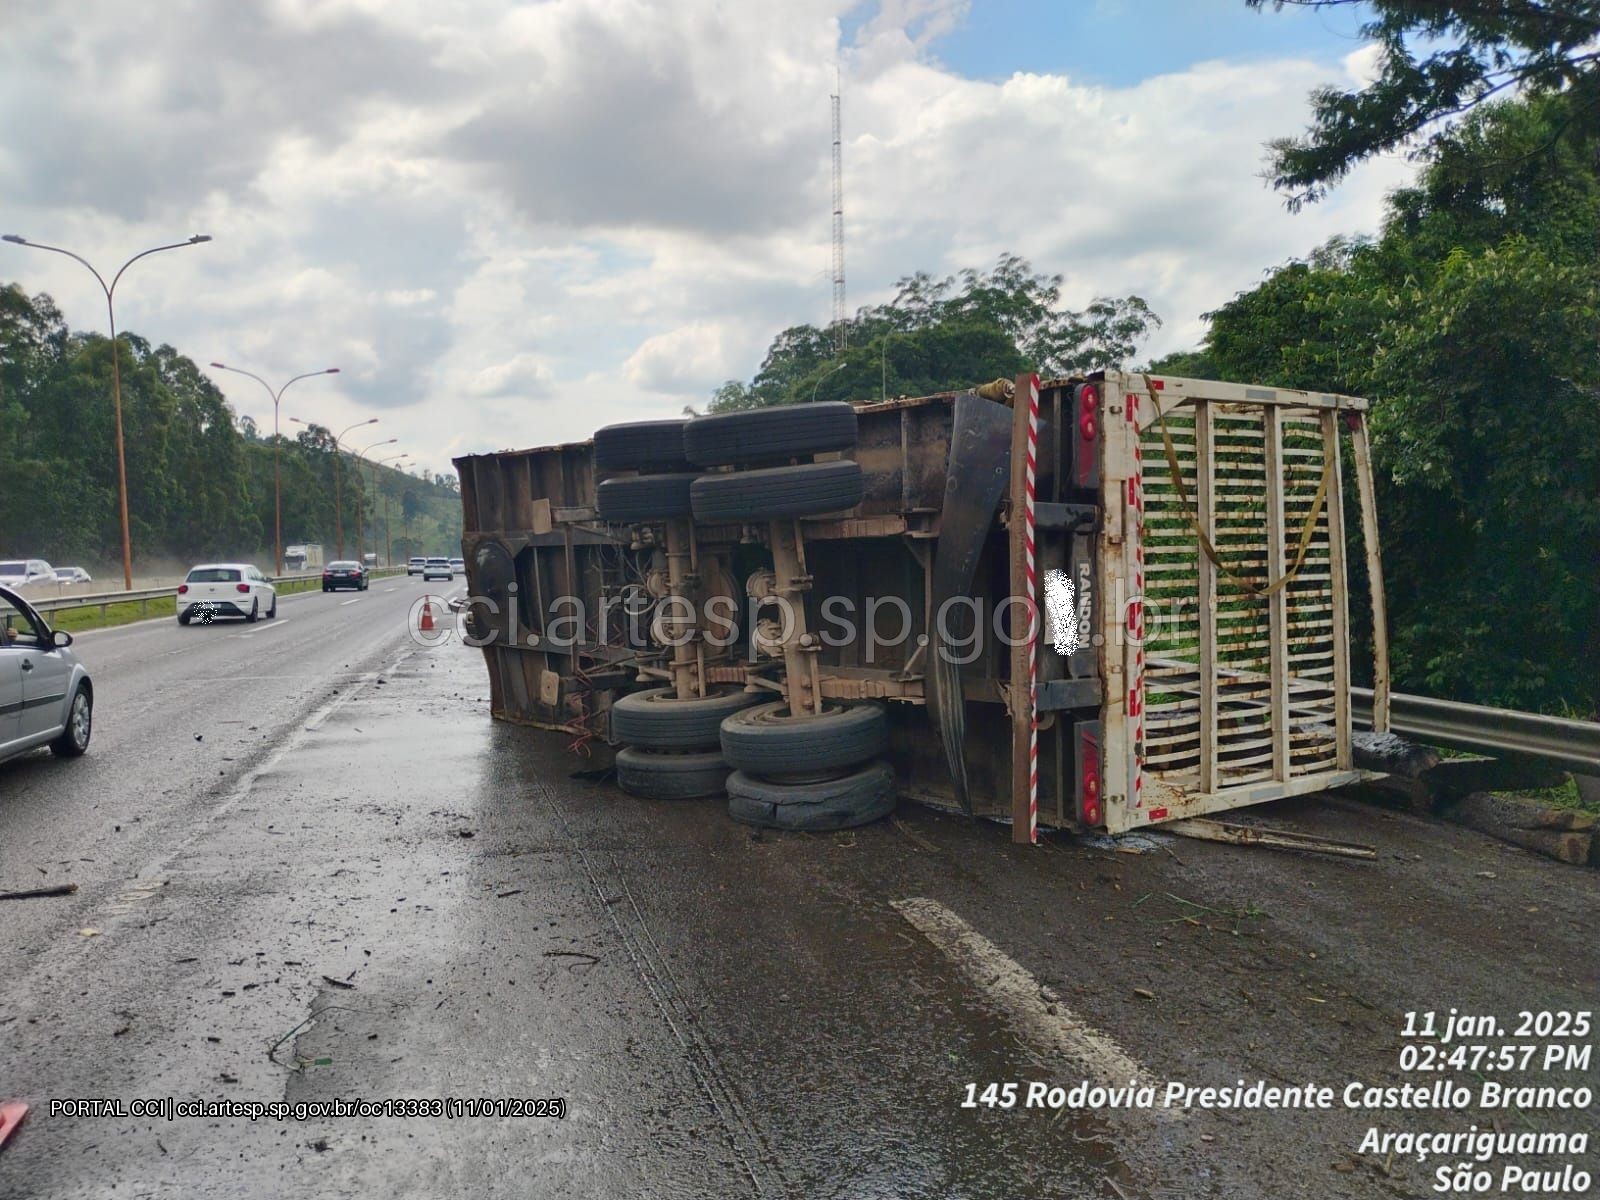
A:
x: 183, y: 589
x: 1085, y: 446
x: 1090, y: 811
x: 241, y: 587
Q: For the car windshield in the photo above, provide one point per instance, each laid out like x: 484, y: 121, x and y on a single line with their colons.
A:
x: 214, y: 575
x: 341, y: 566
x: 13, y: 568
x: 438, y: 560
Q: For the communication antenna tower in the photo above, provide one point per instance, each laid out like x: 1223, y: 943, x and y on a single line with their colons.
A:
x: 838, y: 225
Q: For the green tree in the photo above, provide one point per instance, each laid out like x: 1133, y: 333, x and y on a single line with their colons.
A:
x: 1473, y: 325
x: 1440, y: 59
x: 199, y: 478
x: 939, y: 334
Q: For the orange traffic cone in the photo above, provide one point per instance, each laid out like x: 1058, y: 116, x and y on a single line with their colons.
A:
x: 426, y: 624
x: 11, y: 1114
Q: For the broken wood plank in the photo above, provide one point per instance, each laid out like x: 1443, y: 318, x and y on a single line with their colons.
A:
x: 60, y: 889
x: 1560, y: 834
x: 1278, y: 839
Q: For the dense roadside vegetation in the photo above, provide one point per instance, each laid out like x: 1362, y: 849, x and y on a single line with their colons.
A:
x: 1472, y: 321
x: 199, y: 478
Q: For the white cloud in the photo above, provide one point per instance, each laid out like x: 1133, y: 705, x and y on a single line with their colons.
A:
x: 514, y: 224
x: 690, y: 360
x: 1365, y: 65
x: 523, y: 376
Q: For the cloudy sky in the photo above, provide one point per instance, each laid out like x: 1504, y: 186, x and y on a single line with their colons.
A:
x: 509, y: 223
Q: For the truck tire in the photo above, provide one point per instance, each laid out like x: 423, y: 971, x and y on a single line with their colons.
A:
x: 651, y: 446
x: 633, y: 498
x: 771, y: 493
x: 656, y: 719
x: 654, y: 775
x: 865, y: 795
x: 766, y: 740
x: 765, y: 434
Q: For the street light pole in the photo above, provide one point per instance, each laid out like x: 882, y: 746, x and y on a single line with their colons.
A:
x: 116, y: 371
x: 883, y: 366
x: 277, y: 447
x: 826, y: 376
x: 361, y: 457
x: 388, y: 542
x: 338, y: 475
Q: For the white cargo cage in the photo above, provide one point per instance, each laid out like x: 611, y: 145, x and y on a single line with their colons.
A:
x: 1227, y: 665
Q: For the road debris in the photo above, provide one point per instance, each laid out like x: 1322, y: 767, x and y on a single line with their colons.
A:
x: 1562, y: 834
x: 1279, y: 839
x: 61, y: 889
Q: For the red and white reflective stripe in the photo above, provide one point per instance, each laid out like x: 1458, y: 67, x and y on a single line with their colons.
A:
x: 1031, y: 571
x: 1136, y: 603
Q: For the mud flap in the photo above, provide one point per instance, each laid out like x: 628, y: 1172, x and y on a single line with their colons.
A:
x: 975, y: 479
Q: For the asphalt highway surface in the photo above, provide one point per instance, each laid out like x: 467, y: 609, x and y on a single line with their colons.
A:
x: 311, y: 870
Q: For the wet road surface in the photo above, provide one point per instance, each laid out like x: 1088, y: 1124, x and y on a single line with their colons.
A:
x: 378, y: 893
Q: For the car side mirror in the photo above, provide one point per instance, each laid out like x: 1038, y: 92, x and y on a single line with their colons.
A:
x: 60, y: 639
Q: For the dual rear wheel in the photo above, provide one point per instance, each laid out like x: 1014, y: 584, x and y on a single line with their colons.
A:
x: 815, y: 772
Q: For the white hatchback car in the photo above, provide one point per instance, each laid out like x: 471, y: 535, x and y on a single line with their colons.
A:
x: 214, y: 590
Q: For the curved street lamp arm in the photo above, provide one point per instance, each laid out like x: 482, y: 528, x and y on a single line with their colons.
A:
x: 99, y: 278
x: 307, y: 375
x: 194, y: 241
x: 250, y: 374
x: 340, y: 439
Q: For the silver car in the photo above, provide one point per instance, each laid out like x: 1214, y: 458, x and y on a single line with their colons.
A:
x: 46, y: 697
x: 20, y: 572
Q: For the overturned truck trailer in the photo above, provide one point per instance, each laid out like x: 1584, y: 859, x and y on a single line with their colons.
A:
x: 1093, y: 603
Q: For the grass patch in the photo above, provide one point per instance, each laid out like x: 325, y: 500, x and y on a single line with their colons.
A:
x: 76, y: 620
x: 1565, y: 796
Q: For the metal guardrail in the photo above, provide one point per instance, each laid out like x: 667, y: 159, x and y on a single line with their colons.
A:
x: 1497, y: 732
x: 143, y: 596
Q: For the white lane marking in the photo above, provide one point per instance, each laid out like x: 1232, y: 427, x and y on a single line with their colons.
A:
x: 357, y: 600
x: 277, y: 623
x: 1036, y: 1010
x: 391, y: 589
